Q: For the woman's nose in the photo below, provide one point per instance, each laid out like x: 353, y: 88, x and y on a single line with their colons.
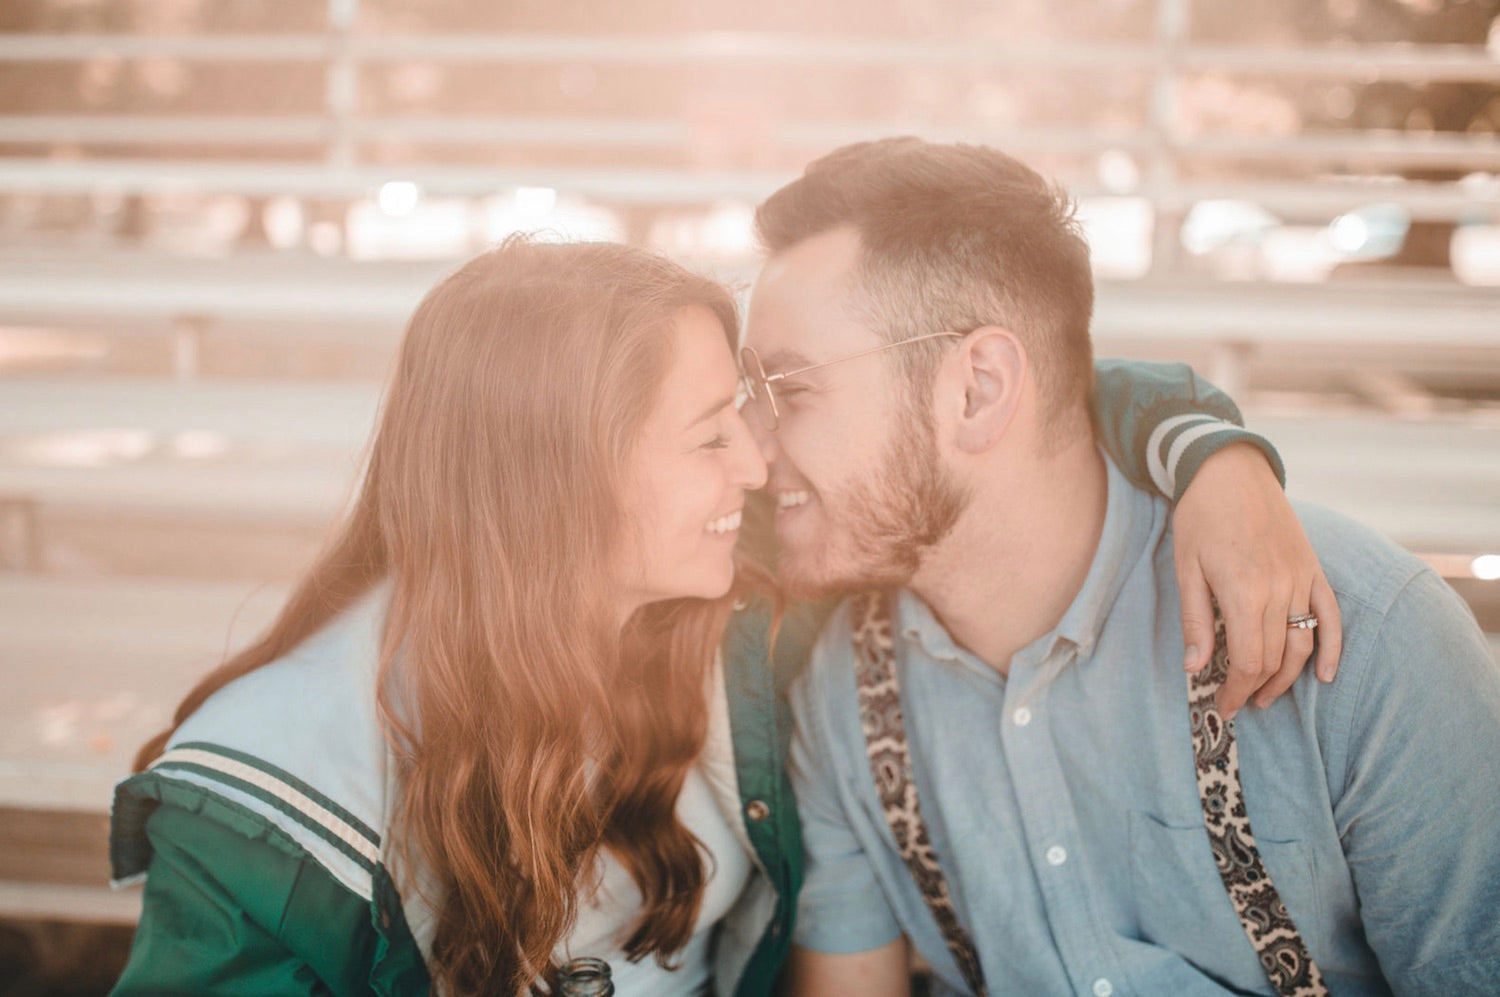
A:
x: 763, y: 435
x: 750, y: 460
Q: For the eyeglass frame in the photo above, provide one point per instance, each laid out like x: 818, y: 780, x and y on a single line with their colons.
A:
x: 748, y: 355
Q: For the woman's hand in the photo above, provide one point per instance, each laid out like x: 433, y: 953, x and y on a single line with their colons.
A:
x: 1238, y: 540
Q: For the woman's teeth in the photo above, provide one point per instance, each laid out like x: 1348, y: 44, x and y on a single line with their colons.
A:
x: 726, y: 524
x: 790, y: 500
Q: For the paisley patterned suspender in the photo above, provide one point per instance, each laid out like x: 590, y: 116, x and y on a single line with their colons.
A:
x: 1216, y: 755
x: 890, y: 761
x: 1283, y: 955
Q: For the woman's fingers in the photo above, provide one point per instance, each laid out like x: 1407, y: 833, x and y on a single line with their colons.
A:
x: 1268, y: 667
x: 1296, y: 645
x: 1197, y: 616
x: 1245, y: 639
x: 1330, y: 632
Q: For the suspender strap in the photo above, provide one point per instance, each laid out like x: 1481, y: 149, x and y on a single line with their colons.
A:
x: 890, y: 761
x: 1283, y: 954
x: 1268, y: 925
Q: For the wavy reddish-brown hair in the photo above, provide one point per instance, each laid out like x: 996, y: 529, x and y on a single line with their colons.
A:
x: 529, y: 731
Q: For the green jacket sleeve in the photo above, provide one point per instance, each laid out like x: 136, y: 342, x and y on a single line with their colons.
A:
x: 1161, y: 421
x: 242, y: 917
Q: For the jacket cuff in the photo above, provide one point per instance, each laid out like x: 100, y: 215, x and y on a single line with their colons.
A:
x: 1179, y: 446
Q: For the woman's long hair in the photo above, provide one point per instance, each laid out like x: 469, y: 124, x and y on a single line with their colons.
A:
x: 527, y: 732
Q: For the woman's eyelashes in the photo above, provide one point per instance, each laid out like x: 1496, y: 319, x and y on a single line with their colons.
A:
x: 719, y: 442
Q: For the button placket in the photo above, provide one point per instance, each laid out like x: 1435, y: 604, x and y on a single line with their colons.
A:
x: 1050, y: 819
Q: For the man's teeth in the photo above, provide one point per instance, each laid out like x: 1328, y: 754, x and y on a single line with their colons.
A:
x: 790, y: 500
x: 725, y: 524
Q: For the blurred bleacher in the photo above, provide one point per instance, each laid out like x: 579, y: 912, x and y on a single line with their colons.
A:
x: 200, y: 295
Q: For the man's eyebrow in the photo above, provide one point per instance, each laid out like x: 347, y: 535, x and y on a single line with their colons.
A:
x: 784, y: 360
x: 712, y: 411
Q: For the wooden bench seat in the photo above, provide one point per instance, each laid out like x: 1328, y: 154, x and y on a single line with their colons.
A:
x: 1431, y: 485
x: 292, y: 414
x: 92, y: 668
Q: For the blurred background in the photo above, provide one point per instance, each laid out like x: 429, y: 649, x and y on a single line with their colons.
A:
x: 215, y: 216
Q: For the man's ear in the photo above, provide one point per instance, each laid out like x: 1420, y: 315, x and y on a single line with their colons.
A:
x: 992, y: 374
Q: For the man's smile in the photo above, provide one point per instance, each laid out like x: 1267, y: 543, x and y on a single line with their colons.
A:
x: 791, y: 499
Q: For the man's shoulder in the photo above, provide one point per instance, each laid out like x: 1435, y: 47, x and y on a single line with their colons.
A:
x: 1408, y: 636
x: 1366, y: 570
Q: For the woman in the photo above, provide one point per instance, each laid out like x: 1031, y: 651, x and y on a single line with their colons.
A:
x: 489, y: 731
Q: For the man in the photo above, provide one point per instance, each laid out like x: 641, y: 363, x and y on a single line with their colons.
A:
x: 1036, y: 650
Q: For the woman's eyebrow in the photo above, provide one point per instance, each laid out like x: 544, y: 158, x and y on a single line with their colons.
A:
x: 712, y: 411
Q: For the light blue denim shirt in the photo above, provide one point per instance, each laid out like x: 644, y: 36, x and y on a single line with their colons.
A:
x: 1063, y: 806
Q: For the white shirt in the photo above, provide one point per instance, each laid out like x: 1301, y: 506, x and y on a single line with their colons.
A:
x: 707, y: 806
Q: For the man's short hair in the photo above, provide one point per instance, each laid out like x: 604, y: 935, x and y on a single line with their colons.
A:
x: 954, y: 237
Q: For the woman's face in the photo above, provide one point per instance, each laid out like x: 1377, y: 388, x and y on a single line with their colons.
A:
x: 687, y: 480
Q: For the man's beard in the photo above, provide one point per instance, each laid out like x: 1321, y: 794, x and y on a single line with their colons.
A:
x: 891, y: 518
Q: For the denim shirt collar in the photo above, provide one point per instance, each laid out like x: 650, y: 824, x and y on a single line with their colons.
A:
x: 1130, y: 521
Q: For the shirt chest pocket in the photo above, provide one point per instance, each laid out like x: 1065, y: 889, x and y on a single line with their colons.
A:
x: 1182, y: 906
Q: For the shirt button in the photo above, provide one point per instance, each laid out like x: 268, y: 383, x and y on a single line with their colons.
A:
x: 1022, y: 717
x: 1103, y: 988
x: 757, y: 810
x: 1057, y: 855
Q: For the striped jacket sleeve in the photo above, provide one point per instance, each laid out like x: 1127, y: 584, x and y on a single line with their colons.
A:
x: 255, y: 884
x: 1161, y: 421
x: 230, y: 912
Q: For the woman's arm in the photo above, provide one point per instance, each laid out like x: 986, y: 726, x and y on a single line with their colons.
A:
x: 1161, y: 421
x: 1237, y: 539
x: 222, y: 913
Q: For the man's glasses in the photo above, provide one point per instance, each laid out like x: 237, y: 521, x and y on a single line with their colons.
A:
x: 758, y: 382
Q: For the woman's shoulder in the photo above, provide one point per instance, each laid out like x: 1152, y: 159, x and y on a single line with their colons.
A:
x: 311, y: 712
x: 325, y: 684
x: 296, y: 744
